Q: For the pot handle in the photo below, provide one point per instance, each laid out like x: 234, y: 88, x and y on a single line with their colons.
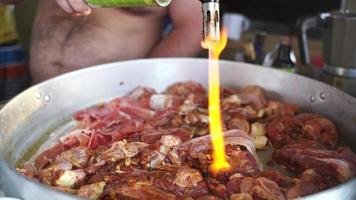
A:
x: 303, y: 25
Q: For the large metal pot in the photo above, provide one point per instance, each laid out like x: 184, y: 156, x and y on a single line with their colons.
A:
x: 45, y: 106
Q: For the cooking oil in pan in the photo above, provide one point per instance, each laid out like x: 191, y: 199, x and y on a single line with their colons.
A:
x: 47, y: 139
x: 127, y: 3
x: 33, y: 149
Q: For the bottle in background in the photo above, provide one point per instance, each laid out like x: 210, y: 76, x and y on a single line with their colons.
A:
x: 281, y: 56
x: 249, y: 51
x: 259, y: 46
x: 284, y: 61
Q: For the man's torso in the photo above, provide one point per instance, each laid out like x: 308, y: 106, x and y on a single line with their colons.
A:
x: 62, y: 43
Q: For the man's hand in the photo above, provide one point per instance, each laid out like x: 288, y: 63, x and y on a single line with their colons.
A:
x: 76, y: 7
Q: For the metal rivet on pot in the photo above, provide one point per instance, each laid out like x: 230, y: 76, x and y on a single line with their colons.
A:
x: 323, y: 95
x: 39, y: 95
x: 312, y: 99
x: 47, y: 98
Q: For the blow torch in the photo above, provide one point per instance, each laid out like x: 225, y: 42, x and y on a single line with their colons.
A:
x: 210, y: 9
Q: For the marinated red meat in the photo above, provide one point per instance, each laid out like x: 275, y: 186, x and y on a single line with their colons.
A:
x: 241, y: 196
x: 240, y: 153
x: 278, y: 109
x: 75, y: 139
x: 339, y: 164
x: 227, y: 91
x: 152, y: 158
x: 95, y: 114
x: 309, y: 182
x: 247, y: 112
x: 149, y: 145
x: 155, y: 156
x: 205, y: 197
x: 321, y: 129
x: 282, y: 181
x: 78, y: 157
x: 254, y: 188
x: 153, y: 136
x: 139, y: 191
x: 217, y: 188
x: 133, y: 108
x: 288, y: 128
x: 181, y: 181
x: 252, y: 95
x: 122, y: 150
x: 282, y: 130
x: 186, y: 88
x: 141, y: 93
x: 238, y: 123
x: 92, y: 191
x: 161, y: 102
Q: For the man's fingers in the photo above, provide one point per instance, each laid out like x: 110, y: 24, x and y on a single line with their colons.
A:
x: 77, y: 7
x: 65, y: 6
x: 80, y: 6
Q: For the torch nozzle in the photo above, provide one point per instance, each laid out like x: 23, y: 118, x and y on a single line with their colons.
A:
x: 211, y: 18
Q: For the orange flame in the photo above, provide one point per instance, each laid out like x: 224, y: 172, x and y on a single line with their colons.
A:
x: 217, y: 138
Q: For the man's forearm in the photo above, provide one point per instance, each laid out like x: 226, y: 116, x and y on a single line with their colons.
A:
x: 181, y: 42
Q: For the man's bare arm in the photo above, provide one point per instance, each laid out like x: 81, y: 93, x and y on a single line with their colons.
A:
x: 185, y: 38
x: 77, y: 7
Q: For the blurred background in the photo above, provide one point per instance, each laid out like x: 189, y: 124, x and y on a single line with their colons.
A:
x: 266, y: 32
x: 270, y: 12
x: 279, y: 11
x: 25, y: 13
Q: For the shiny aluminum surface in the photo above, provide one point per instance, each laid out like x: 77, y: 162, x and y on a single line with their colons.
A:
x: 339, y: 50
x: 44, y: 107
x: 340, y: 71
x: 211, y: 20
x: 348, y: 6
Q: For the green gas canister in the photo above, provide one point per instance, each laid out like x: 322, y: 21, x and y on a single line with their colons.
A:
x: 127, y: 3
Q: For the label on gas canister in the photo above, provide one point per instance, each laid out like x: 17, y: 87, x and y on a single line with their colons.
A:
x: 127, y: 3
